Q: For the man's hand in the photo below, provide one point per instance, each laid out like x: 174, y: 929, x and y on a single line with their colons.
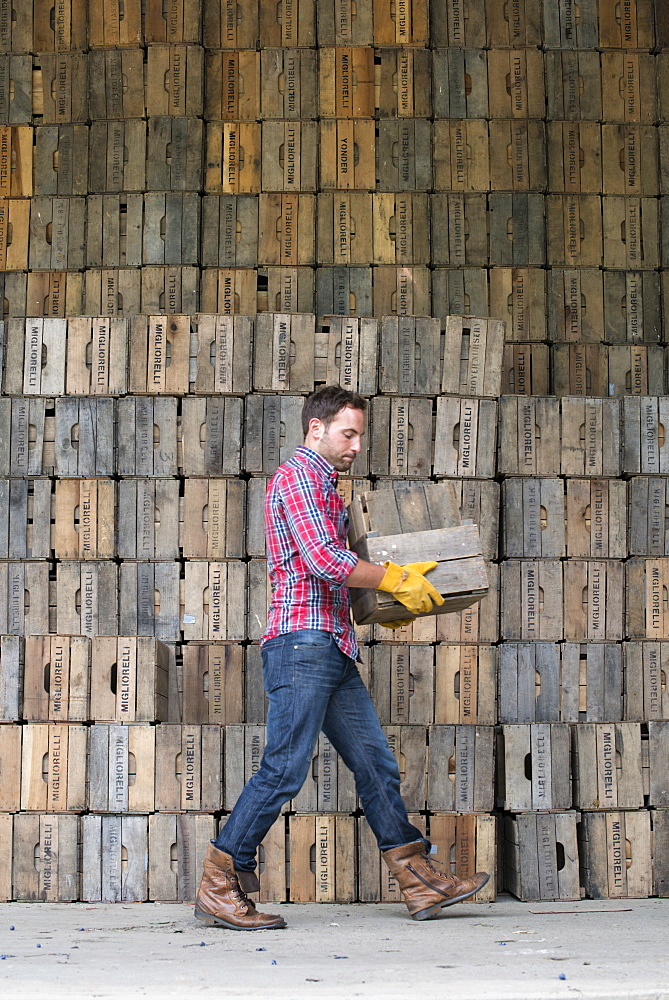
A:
x: 409, y: 586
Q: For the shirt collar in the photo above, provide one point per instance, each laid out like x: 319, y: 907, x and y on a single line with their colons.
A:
x: 312, y: 458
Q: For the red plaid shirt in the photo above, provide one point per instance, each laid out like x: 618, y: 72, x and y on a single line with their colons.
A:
x: 307, y: 559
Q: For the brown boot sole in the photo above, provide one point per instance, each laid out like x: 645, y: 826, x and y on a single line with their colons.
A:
x: 212, y: 921
x: 431, y: 911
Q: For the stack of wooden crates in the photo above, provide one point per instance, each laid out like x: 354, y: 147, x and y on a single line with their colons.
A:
x: 206, y: 209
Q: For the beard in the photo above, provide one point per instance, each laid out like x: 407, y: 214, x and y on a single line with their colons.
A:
x: 341, y: 460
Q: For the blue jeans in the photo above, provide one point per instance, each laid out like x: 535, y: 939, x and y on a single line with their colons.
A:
x: 313, y: 686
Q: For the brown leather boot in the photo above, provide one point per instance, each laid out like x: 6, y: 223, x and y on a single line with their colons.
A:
x: 221, y: 902
x: 426, y: 887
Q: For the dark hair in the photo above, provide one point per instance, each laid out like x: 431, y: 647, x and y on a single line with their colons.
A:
x: 326, y: 403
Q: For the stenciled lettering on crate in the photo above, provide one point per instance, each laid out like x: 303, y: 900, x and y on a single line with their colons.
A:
x: 222, y: 359
x: 573, y: 230
x: 60, y: 84
x: 631, y: 229
x: 632, y: 307
x: 114, y: 855
x: 580, y: 370
x: 465, y: 685
x: 575, y: 157
x: 148, y: 522
x: 244, y: 745
x: 233, y: 158
x: 213, y: 523
x: 533, y: 513
x: 180, y: 22
x: 472, y: 363
x: 404, y: 25
x: 404, y: 155
x: 573, y: 86
x: 593, y: 600
x: 35, y: 348
x: 401, y: 436
x: 97, y: 355
x: 645, y: 444
x: 322, y: 853
x: 121, y: 768
x: 11, y: 679
x: 518, y: 25
x: 460, y: 155
x: 608, y: 766
x: 115, y: 225
x: 401, y: 291
x: 289, y: 156
x: 42, y: 293
x: 85, y: 519
x: 178, y: 843
x: 11, y: 739
x: 285, y: 289
x: 53, y: 768
x: 591, y: 436
x: 451, y: 24
x: 60, y: 162
x: 210, y: 606
x: 526, y: 369
x: 213, y: 682
x: 57, y: 227
x: 169, y: 290
x: 575, y: 305
x: 105, y: 291
x: 401, y: 681
x: 226, y: 25
x: 232, y: 85
x: 228, y: 291
x: 14, y: 233
x: 171, y: 228
x: 230, y: 230
x: 540, y: 856
x: 648, y: 502
x: 329, y: 786
x: 646, y: 668
x: 24, y: 598
x: 459, y: 230
x: 283, y: 352
x: 524, y: 166
x: 409, y: 746
x: 400, y: 229
x: 596, y: 518
x: 288, y: 83
x: 85, y: 435
x: 465, y: 437
x: 347, y: 154
x: 128, y: 679
x: 189, y: 768
x: 25, y: 519
x: 626, y: 76
x: 534, y: 767
x: 345, y: 228
x: 16, y: 35
x: 273, y: 429
x: 462, y: 292
x: 46, y: 857
x: 87, y: 598
x: 478, y: 623
x: 174, y: 84
x: 615, y: 853
x: 159, y: 354
x: 149, y: 599
x: 147, y: 436
x: 630, y: 160
x: 460, y: 768
x: 517, y: 229
x: 56, y: 684
x: 123, y: 165
x: 16, y: 89
x: 646, y: 588
x: 460, y: 83
x: 343, y: 22
x: 110, y: 95
x: 346, y: 82
x: 532, y: 602
x: 516, y: 83
x: 375, y: 883
x: 346, y: 353
x: 409, y: 355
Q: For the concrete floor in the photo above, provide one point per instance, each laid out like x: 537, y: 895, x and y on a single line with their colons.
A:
x: 521, y: 951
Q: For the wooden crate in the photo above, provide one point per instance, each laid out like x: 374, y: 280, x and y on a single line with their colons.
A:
x: 401, y: 679
x: 329, y: 785
x: 575, y: 301
x: 56, y: 682
x: 171, y: 228
x: 532, y: 600
x: 86, y: 598
x: 105, y: 291
x: 479, y: 623
x: 409, y: 746
x: 591, y: 432
x: 16, y: 78
x: 409, y: 356
x: 399, y: 227
x: 109, y: 97
x: 259, y: 589
x: 529, y: 436
x: 346, y: 353
x: 285, y: 289
x: 85, y: 519
x: 283, y: 352
x: 403, y: 155
x: 288, y: 83
x: 115, y: 27
x: 347, y: 232
x: 66, y: 30
x: 11, y: 677
x: 511, y: 27
x: 638, y: 370
x: 631, y: 29
x: 460, y: 768
x: 24, y: 613
x: 615, y: 853
x: 85, y: 436
x: 11, y: 739
x: 540, y: 856
x: 123, y: 165
x: 626, y: 76
x: 465, y: 685
x: 189, y: 762
x: 516, y: 83
x: 533, y: 518
x: 524, y: 166
x: 517, y: 228
x: 181, y: 22
x: 6, y: 846
x: 159, y: 354
x: 468, y: 844
x: 408, y: 25
x: 212, y: 603
x: 149, y: 599
x: 322, y: 858
x: 646, y: 584
x: 593, y: 601
x: 534, y: 767
x: 148, y: 521
x: 347, y: 154
x: 573, y: 86
x: 244, y: 746
x: 526, y: 369
x: 255, y: 699
x: 465, y: 437
x: 630, y: 160
x: 141, y: 450
x: 631, y: 229
x: 273, y: 429
x: 459, y: 230
x: 114, y: 853
x: 46, y: 858
x: 53, y: 768
x: 289, y: 159
x: 60, y: 166
x: 128, y: 679
x: 221, y: 356
x: 227, y: 291
x: 657, y: 787
x: 232, y: 85
x: 575, y: 157
x: 97, y: 355
x: 458, y: 292
x: 659, y: 842
x: 645, y: 449
x: 450, y: 26
x: 35, y: 347
x: 403, y: 83
x: 213, y: 680
x: 121, y: 768
x: 57, y: 227
x: 286, y: 224
x: 472, y: 363
x: 460, y: 155
x: 174, y: 154
x: 596, y: 519
x: 16, y: 32
x: 14, y: 233
x: 225, y: 26
x: 210, y: 436
x: 608, y: 766
x: 573, y: 230
x: 213, y: 523
x: 375, y: 883
x: 460, y: 83
x: 42, y: 293
x: 25, y: 519
x: 632, y: 307
x: 580, y: 370
x: 646, y: 667
x: 115, y: 226
x: 178, y: 843
x: 174, y: 80
x: 60, y: 88
x: 169, y: 290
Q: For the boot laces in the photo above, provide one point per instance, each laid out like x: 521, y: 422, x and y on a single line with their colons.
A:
x: 428, y: 859
x: 236, y: 890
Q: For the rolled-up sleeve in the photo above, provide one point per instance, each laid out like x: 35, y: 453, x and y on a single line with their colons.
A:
x: 305, y: 505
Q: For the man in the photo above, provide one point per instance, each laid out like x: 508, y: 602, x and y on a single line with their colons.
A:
x: 309, y: 651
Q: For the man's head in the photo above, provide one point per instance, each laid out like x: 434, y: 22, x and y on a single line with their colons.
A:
x: 333, y: 421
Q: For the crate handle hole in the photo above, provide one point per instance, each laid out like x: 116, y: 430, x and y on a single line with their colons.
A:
x: 205, y: 684
x: 47, y: 677
x: 559, y: 855
x: 45, y: 768
x: 113, y: 678
x: 527, y: 765
x: 174, y: 858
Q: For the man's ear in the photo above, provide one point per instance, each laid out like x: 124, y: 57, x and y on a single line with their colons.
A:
x: 316, y: 427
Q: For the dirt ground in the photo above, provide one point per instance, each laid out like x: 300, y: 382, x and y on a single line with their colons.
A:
x: 524, y: 951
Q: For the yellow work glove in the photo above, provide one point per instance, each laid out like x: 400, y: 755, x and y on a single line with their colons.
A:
x: 408, y: 585
x: 397, y: 624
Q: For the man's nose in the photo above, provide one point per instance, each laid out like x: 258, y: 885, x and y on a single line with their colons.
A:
x: 356, y: 444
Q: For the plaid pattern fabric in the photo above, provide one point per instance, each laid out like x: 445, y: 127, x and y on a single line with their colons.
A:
x: 307, y: 559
